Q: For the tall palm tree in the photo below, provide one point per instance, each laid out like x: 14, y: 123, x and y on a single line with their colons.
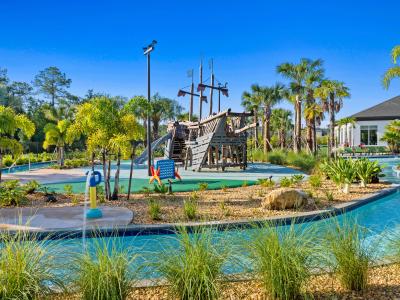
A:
x: 313, y: 113
x: 331, y: 93
x: 296, y: 73
x: 10, y: 124
x: 393, y: 72
x: 344, y: 122
x: 269, y: 97
x: 56, y: 135
x: 313, y: 78
x: 251, y: 101
x: 281, y: 122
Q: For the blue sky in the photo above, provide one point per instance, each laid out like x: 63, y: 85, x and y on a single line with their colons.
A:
x: 99, y: 43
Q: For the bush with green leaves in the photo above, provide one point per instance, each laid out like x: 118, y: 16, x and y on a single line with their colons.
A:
x: 68, y: 189
x: 203, y: 186
x: 304, y: 161
x: 282, y: 259
x: 266, y: 182
x: 341, y: 171
x: 315, y: 181
x: 104, y: 271
x: 154, y: 209
x: 297, y: 178
x: 277, y: 157
x: 27, y: 267
x: 31, y: 186
x: 160, y: 188
x: 329, y: 196
x: 366, y: 170
x: 193, y: 270
x: 12, y: 193
x: 285, y: 182
x: 349, y: 253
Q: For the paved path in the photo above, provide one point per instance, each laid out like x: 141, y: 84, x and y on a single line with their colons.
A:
x: 62, y: 217
x: 253, y: 172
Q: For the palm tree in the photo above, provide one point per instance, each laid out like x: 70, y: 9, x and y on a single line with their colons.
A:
x: 344, y: 122
x: 296, y: 73
x: 251, y: 101
x: 313, y: 113
x: 281, y: 123
x: 331, y: 93
x: 392, y: 135
x: 393, y: 72
x: 10, y: 124
x: 269, y: 97
x: 313, y: 78
x: 140, y: 107
x: 56, y: 135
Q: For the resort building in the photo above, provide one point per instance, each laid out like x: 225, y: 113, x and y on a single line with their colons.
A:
x: 369, y: 125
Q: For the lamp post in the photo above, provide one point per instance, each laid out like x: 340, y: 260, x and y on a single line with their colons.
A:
x: 146, y: 51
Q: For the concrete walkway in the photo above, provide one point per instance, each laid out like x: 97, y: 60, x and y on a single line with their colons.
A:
x: 51, y: 218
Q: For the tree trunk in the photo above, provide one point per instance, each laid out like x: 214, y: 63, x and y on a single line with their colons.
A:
x: 267, y: 130
x: 255, y: 129
x: 331, y: 124
x: 131, y: 172
x: 1, y: 164
x: 314, y: 133
x: 297, y: 131
x: 116, y: 178
x: 109, y: 177
x: 156, y: 125
x: 61, y: 156
x: 104, y: 161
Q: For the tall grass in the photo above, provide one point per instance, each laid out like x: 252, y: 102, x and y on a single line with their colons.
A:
x: 193, y: 269
x: 349, y: 254
x: 282, y: 258
x: 27, y: 267
x: 104, y: 271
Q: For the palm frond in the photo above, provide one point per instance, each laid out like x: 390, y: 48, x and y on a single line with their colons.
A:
x: 389, y: 75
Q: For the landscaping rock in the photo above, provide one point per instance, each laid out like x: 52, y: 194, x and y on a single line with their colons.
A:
x: 284, y: 198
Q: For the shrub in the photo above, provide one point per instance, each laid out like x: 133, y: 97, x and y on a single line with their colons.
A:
x: 190, y: 208
x: 341, y: 171
x: 315, y: 181
x: 27, y: 268
x: 366, y: 170
x: 349, y: 254
x: 31, y: 186
x: 266, y: 182
x: 160, y: 188
x: 258, y: 155
x: 11, y: 193
x: 285, y: 182
x: 154, y: 210
x: 193, y: 270
x: 68, y: 189
x: 203, y: 186
x: 104, y: 272
x: 329, y: 196
x: 304, y: 161
x: 297, y: 178
x: 282, y: 259
x: 277, y: 157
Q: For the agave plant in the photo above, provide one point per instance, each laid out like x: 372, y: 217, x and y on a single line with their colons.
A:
x: 341, y: 171
x: 366, y: 170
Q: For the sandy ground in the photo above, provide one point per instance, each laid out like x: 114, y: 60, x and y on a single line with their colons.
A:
x: 384, y: 284
x: 226, y: 204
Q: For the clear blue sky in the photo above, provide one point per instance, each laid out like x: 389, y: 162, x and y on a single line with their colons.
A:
x: 99, y: 43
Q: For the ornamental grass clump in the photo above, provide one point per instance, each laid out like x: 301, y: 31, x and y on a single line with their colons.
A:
x: 349, y: 254
x: 282, y: 258
x: 193, y: 268
x: 27, y: 267
x: 104, y: 271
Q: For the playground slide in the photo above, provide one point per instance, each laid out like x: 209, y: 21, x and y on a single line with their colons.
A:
x: 154, y: 145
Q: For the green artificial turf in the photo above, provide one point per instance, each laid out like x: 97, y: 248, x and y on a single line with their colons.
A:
x: 186, y: 185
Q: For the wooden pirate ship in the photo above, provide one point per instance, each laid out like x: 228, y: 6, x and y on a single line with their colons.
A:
x: 217, y: 141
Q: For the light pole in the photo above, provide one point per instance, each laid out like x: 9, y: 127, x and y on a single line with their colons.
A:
x: 147, y: 50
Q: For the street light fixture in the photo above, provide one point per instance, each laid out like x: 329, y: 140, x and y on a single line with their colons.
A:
x: 146, y: 51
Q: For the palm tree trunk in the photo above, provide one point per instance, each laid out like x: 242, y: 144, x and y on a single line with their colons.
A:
x: 62, y: 156
x: 314, y: 134
x: 109, y: 177
x: 331, y: 124
x: 156, y: 125
x: 116, y: 178
x: 131, y: 172
x: 267, y: 130
x: 1, y: 164
x: 104, y: 161
x: 255, y: 129
x: 297, y: 131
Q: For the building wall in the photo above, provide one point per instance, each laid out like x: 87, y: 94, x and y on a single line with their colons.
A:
x: 381, y: 129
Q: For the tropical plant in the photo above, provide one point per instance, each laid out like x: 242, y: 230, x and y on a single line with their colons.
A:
x: 154, y: 209
x: 31, y: 186
x: 392, y: 135
x: 393, y: 72
x: 315, y: 181
x: 203, y: 186
x: 282, y: 259
x: 27, y: 267
x: 366, y: 170
x: 190, y: 208
x: 281, y: 123
x: 285, y: 182
x: 341, y: 171
x: 104, y: 271
x: 345, y: 122
x: 56, y: 135
x: 251, y: 101
x: 193, y: 270
x: 10, y: 124
x: 313, y: 113
x: 332, y: 93
x: 349, y: 254
x: 277, y: 157
x: 12, y: 193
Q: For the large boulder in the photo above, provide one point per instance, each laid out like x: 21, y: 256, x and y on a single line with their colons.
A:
x: 284, y: 198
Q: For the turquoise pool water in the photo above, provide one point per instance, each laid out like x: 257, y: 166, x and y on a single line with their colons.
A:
x: 23, y: 168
